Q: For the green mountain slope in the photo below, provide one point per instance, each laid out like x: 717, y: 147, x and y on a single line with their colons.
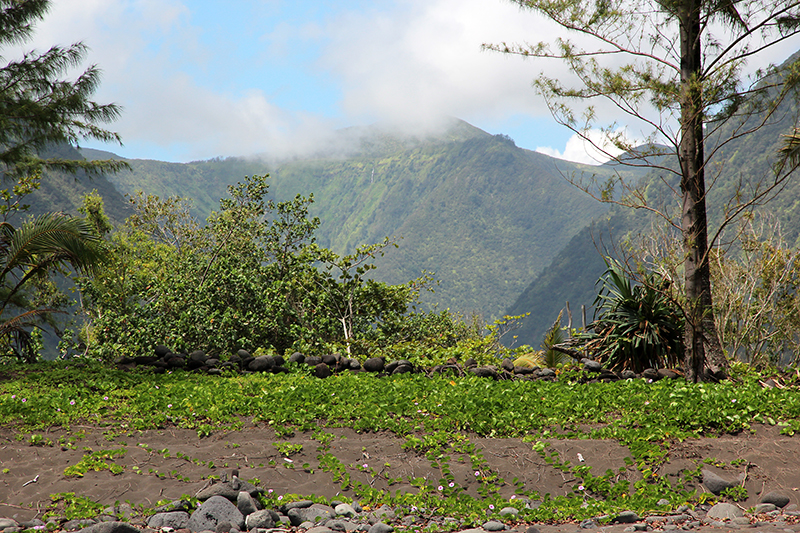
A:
x: 481, y: 213
x: 61, y: 191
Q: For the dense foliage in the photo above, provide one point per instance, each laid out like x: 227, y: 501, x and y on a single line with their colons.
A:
x: 251, y: 277
x: 39, y: 111
x: 28, y: 256
x: 483, y: 214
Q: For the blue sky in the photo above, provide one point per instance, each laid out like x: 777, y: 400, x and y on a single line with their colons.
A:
x: 200, y: 79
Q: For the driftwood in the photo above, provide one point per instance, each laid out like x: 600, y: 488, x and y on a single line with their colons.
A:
x: 565, y: 349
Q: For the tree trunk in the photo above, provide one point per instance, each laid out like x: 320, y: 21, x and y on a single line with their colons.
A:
x: 702, y: 349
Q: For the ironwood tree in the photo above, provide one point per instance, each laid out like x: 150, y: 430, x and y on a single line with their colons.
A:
x: 39, y: 108
x: 676, y: 68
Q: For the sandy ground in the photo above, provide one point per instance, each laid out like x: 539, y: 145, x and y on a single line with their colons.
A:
x: 168, y: 463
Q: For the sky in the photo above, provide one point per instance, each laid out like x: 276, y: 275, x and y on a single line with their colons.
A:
x: 202, y: 78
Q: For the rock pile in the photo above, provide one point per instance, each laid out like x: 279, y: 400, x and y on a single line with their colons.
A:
x: 233, y: 506
x: 325, y: 366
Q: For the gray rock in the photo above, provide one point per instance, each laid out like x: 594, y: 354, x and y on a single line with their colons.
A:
x: 626, y: 517
x: 665, y: 373
x: 677, y: 518
x: 380, y: 527
x: 509, y: 511
x: 532, y: 529
x: 403, y: 369
x: 110, y: 527
x: 777, y: 499
x: 662, y: 502
x: 723, y: 511
x: 74, y: 525
x: 546, y: 373
x: 763, y: 508
x: 177, y: 505
x: 484, y: 372
x: 260, y: 519
x: 592, y: 366
x: 345, y: 509
x: 588, y: 524
x: 650, y: 374
x: 299, y: 504
x: 213, y: 511
x: 319, y: 529
x: 384, y: 512
x: 8, y: 522
x: 262, y: 364
x: 313, y: 514
x: 246, y: 504
x: 714, y: 483
x: 628, y: 374
x: 174, y: 519
x: 374, y: 364
x: 224, y: 527
x: 229, y: 490
x: 336, y: 525
x: 494, y: 525
x: 322, y: 371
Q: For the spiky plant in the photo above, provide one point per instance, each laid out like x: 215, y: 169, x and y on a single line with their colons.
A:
x: 636, y: 326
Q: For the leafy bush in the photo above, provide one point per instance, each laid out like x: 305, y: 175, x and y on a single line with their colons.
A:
x: 637, y: 327
x: 251, y: 277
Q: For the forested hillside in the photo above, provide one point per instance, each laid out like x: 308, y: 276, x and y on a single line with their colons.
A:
x: 482, y: 214
x: 62, y: 191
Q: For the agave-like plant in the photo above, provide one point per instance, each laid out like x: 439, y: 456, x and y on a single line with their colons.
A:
x: 636, y: 326
x: 33, y: 251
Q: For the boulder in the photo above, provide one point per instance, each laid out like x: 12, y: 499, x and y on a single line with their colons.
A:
x: 260, y: 519
x: 313, y: 514
x: 374, y: 364
x: 322, y: 371
x: 263, y: 363
x: 297, y: 357
x: 174, y: 519
x: 724, y: 511
x: 715, y: 483
x: 214, y: 511
x: 778, y: 499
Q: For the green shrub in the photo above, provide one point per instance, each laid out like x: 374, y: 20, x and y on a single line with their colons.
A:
x: 637, y: 326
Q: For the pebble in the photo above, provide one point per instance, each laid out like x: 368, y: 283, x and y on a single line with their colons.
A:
x: 232, y: 511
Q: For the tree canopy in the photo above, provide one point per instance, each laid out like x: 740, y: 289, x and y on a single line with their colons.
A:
x: 38, y: 107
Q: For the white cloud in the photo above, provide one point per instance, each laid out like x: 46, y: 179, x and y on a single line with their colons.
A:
x: 595, y: 150
x: 402, y: 60
x: 425, y: 59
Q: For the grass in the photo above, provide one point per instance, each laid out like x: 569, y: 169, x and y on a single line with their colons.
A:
x: 435, y: 416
